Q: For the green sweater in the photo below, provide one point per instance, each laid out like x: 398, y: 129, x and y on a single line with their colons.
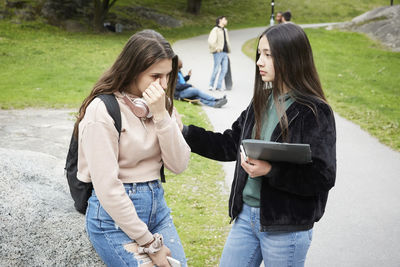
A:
x: 251, y: 192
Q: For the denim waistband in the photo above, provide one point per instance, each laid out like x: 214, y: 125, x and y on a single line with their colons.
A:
x: 145, y: 186
x: 139, y: 187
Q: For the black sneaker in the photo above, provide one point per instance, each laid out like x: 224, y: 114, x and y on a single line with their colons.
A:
x: 220, y: 103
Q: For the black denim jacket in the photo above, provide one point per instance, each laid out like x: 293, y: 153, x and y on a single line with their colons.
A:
x: 293, y: 196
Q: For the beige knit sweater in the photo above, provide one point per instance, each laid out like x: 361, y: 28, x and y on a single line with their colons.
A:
x: 142, y: 148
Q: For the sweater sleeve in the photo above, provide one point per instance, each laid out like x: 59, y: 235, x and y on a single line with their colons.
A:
x: 318, y: 176
x: 99, y: 141
x: 175, y: 152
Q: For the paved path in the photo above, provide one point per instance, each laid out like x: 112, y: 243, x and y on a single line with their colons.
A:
x: 361, y: 226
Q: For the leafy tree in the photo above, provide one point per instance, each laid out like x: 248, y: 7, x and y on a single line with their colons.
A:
x: 101, y: 8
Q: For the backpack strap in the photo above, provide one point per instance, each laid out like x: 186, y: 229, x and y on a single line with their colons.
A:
x: 113, y: 109
x: 162, y: 174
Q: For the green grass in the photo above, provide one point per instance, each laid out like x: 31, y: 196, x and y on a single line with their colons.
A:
x: 360, y: 79
x: 199, y: 201
x: 44, y: 66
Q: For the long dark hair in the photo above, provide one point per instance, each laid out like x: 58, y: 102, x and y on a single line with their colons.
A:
x: 142, y: 50
x: 294, y: 67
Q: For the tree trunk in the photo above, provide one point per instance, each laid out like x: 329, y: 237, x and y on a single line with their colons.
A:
x: 101, y: 8
x: 193, y: 6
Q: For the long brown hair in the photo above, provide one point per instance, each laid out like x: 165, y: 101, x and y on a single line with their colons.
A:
x: 294, y: 67
x: 142, y: 50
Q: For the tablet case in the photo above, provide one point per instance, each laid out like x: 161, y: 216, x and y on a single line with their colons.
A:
x: 275, y: 152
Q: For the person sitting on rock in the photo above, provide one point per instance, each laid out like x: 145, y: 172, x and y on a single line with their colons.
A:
x: 127, y: 220
x: 184, y: 90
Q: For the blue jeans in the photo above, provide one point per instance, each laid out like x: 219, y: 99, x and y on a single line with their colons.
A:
x: 109, y: 240
x: 220, y: 59
x: 246, y: 246
x: 194, y: 93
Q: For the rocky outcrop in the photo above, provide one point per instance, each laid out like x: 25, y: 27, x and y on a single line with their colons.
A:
x: 77, y: 15
x: 38, y: 223
x: 382, y: 24
x: 151, y: 14
x: 20, y: 10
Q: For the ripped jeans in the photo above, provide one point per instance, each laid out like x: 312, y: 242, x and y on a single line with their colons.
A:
x: 113, y: 245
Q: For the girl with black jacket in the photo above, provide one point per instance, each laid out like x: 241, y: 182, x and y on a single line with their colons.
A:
x: 275, y: 204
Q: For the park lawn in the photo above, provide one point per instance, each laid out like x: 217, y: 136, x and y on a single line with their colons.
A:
x: 44, y: 66
x: 360, y: 79
x: 199, y: 200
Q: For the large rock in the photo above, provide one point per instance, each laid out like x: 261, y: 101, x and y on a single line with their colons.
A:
x: 21, y: 9
x: 151, y: 14
x: 382, y: 24
x: 38, y: 223
x: 16, y: 4
x: 39, y: 226
x: 57, y: 11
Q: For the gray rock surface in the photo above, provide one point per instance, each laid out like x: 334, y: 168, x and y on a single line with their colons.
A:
x: 382, y: 24
x: 151, y: 14
x: 38, y: 224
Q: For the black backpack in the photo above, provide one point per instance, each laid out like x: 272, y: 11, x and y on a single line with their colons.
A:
x: 81, y: 191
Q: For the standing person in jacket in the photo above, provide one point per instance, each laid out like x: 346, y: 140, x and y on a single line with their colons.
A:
x: 218, y: 43
x: 127, y: 216
x: 186, y: 90
x: 275, y: 204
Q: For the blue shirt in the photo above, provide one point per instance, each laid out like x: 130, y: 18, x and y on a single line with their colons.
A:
x: 181, y: 79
